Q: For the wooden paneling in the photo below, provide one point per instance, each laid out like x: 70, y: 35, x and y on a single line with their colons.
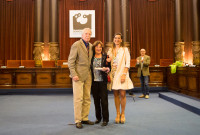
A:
x: 59, y: 77
x: 43, y: 79
x: 35, y: 78
x: 192, y: 83
x: 62, y: 78
x: 23, y: 78
x: 185, y: 80
x: 157, y: 76
x: 172, y: 80
x: 193, y: 79
x: 198, y: 84
x: 6, y: 79
x: 134, y: 78
x: 182, y: 80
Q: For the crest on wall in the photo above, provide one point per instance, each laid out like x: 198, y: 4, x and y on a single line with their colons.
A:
x: 80, y: 19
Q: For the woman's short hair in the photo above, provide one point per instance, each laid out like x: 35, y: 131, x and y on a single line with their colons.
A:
x: 96, y: 43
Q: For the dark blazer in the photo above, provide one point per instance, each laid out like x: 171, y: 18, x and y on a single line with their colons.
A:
x: 103, y: 64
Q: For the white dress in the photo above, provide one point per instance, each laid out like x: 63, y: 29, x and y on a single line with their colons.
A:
x: 122, y: 60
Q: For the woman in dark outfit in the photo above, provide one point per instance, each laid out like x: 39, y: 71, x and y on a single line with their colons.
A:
x: 100, y: 68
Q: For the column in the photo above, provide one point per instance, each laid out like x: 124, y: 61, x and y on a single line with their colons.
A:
x: 125, y: 16
x: 196, y: 29
x: 53, y: 30
x: 179, y: 44
x: 109, y: 24
x: 38, y: 35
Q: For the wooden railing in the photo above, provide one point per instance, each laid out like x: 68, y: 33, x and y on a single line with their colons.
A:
x: 186, y: 80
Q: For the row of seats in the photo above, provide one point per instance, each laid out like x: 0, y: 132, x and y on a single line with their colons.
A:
x: 31, y: 63
x: 163, y: 62
x: 51, y: 63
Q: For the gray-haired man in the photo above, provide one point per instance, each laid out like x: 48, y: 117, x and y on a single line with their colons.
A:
x: 79, y: 65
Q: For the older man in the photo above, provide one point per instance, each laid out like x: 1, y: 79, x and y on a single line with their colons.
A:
x: 79, y: 65
x: 143, y: 72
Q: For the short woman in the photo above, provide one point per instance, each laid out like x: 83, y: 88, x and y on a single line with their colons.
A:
x: 100, y: 68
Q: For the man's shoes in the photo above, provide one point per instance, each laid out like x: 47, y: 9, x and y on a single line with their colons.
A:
x: 147, y: 96
x: 104, y: 124
x: 79, y: 125
x: 142, y: 96
x: 97, y: 121
x: 87, y: 122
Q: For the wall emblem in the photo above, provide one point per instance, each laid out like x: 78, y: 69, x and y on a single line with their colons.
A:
x: 80, y: 19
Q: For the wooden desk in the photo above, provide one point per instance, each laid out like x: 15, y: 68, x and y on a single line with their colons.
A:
x: 157, y: 77
x: 59, y: 77
x: 186, y: 80
x: 35, y: 78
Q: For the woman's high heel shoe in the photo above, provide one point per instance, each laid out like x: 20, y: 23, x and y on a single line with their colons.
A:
x: 117, y: 119
x: 123, y: 119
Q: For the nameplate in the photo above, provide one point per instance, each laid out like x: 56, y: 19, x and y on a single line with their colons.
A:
x: 3, y: 66
x: 192, y: 65
x: 21, y: 67
x: 65, y: 63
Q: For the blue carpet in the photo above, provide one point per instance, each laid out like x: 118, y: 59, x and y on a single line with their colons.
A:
x: 64, y: 90
x: 52, y: 114
x: 190, y: 104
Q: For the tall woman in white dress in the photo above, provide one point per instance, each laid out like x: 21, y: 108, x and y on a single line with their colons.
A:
x: 120, y: 64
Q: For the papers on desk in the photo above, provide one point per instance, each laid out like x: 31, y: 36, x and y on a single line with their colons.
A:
x: 98, y: 68
x: 65, y: 63
x: 3, y: 66
x: 21, y: 67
